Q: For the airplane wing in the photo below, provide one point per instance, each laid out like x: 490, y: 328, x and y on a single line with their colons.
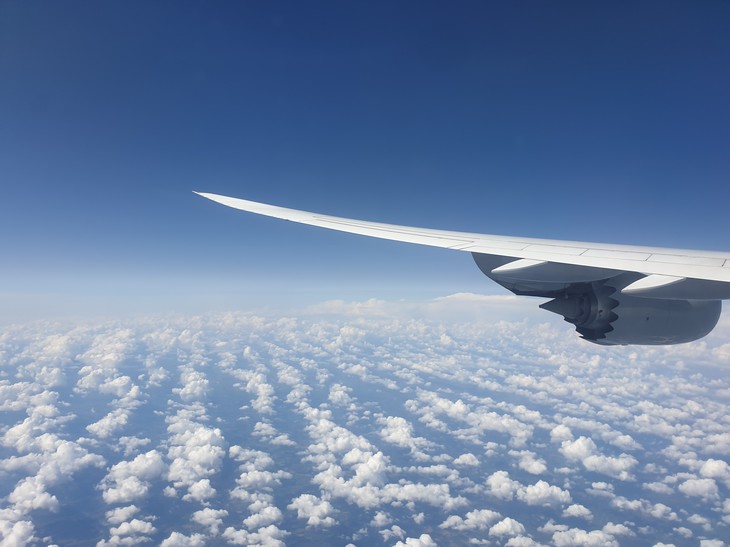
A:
x: 661, y: 296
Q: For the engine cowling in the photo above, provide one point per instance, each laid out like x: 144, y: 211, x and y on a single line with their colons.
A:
x: 592, y: 300
x: 603, y: 315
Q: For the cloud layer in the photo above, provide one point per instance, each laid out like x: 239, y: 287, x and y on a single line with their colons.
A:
x: 375, y: 422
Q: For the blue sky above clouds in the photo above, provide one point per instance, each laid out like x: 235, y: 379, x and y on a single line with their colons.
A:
x: 258, y: 382
x: 578, y: 120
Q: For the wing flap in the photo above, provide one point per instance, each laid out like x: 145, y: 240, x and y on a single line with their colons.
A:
x: 684, y: 259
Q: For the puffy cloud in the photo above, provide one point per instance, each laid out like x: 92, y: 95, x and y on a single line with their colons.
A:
x: 125, y: 489
x: 601, y: 486
x: 257, y: 480
x: 350, y: 468
x: 658, y: 487
x: 255, y: 486
x: 128, y: 531
x: 251, y: 460
x: 399, y: 431
x: 176, y: 539
x: 579, y: 449
x: 718, y: 443
x: 585, y: 450
x: 270, y: 434
x: 340, y: 395
x: 211, y: 519
x: 617, y: 530
x: 129, y: 480
x: 716, y: 469
x: 195, y: 385
x: 501, y: 486
x: 394, y: 532
x: 135, y: 527
x: 254, y: 382
x: 30, y: 494
x: 200, y: 491
x: 267, y: 514
x: 424, y: 540
x: 380, y: 520
x: 49, y: 461
x: 58, y: 459
x: 542, y: 493
x: 121, y: 514
x: 34, y: 432
x: 575, y: 537
x: 561, y: 433
x: 196, y: 451
x: 21, y: 532
x: 507, y: 527
x: 268, y: 536
x: 109, y: 424
x: 550, y: 527
x: 701, y: 488
x: 479, y: 519
x: 655, y: 510
x: 528, y: 461
x: 254, y: 474
x: 102, y: 359
x: 315, y: 510
x: 131, y: 445
x: 119, y: 386
x: 522, y: 541
x: 467, y: 459
x: 437, y: 495
x: 578, y: 511
x: 478, y: 420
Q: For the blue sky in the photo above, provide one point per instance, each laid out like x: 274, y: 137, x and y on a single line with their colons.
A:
x: 590, y: 121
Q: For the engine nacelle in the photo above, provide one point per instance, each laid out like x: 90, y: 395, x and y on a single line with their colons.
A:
x: 602, y: 314
x: 591, y: 299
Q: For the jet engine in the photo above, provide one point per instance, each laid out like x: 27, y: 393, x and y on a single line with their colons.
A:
x: 603, y: 315
x: 592, y: 300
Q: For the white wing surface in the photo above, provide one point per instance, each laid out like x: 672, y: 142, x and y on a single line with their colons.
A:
x: 635, y: 276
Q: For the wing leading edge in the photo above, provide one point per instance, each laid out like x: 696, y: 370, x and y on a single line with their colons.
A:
x: 575, y: 274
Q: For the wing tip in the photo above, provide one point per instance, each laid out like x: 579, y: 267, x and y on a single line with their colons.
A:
x: 208, y: 195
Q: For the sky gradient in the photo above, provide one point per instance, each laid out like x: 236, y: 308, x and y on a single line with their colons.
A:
x: 572, y: 120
